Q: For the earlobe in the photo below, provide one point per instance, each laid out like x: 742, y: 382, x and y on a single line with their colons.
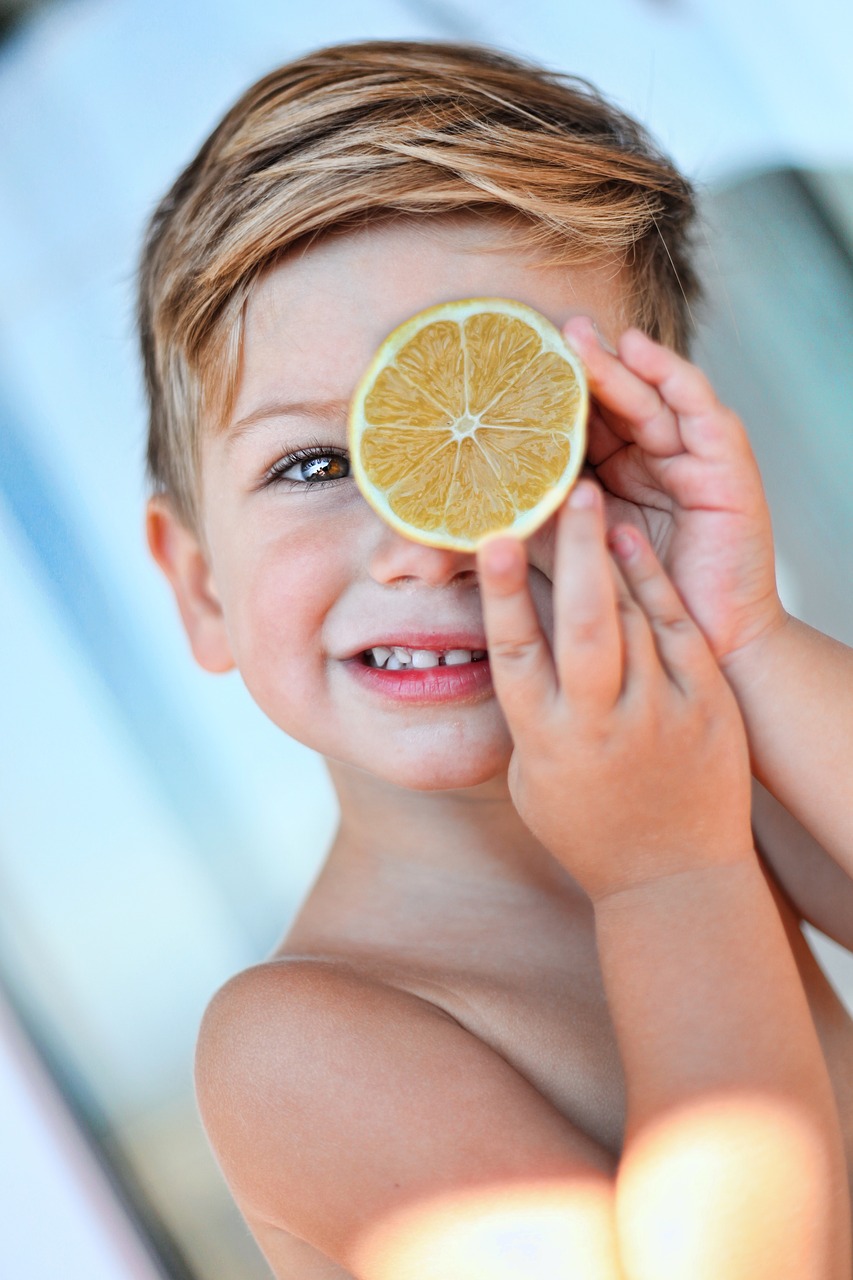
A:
x: 184, y: 561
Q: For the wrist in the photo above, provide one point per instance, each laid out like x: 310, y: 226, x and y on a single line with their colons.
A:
x: 678, y: 879
x: 758, y: 654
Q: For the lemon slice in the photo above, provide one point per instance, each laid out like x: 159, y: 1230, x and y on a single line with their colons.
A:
x: 470, y: 420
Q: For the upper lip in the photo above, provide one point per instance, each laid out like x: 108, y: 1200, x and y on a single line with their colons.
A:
x: 437, y: 641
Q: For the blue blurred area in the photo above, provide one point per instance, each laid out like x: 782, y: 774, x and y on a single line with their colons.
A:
x: 156, y: 833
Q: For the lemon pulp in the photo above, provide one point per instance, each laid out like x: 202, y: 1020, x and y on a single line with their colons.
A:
x: 469, y: 421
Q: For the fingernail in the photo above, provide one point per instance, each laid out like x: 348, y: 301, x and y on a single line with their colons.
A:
x: 584, y: 496
x: 499, y: 556
x: 587, y: 330
x: 604, y: 342
x: 623, y: 542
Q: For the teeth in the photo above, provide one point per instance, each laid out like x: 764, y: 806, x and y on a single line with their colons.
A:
x: 398, y: 658
x: 456, y: 657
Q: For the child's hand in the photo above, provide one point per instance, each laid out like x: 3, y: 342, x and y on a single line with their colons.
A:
x: 676, y: 462
x: 630, y: 758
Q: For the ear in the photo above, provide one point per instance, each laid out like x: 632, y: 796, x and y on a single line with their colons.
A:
x: 184, y: 561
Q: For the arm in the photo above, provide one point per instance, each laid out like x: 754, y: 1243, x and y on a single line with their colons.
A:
x: 795, y: 690
x: 677, y: 463
x: 733, y: 1165
x: 814, y: 883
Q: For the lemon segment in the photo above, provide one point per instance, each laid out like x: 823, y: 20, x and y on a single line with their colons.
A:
x: 470, y: 420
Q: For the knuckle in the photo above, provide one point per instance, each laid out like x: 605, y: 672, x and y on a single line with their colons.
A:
x: 675, y: 623
x: 600, y: 739
x: 702, y: 384
x: 515, y: 651
x: 723, y: 424
x: 628, y: 609
x: 584, y: 631
x: 656, y: 414
x: 645, y: 571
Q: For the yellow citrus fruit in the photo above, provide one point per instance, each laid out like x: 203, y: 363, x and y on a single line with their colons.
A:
x: 470, y: 420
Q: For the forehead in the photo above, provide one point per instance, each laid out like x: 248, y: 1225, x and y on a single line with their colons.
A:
x: 313, y: 322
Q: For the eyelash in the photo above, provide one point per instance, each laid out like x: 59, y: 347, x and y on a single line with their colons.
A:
x: 276, y: 473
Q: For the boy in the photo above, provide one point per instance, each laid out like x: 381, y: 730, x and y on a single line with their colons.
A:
x: 545, y: 1012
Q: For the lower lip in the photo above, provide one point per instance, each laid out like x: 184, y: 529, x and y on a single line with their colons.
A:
x: 467, y: 682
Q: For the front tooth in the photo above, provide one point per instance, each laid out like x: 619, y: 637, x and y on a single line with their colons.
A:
x: 456, y: 657
x: 424, y: 658
x: 403, y: 656
x: 380, y: 655
x: 393, y: 663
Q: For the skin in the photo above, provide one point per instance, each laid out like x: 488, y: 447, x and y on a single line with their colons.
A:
x: 610, y: 677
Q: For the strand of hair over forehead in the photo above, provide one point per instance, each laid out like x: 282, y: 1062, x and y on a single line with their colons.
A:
x: 283, y: 161
x: 355, y: 132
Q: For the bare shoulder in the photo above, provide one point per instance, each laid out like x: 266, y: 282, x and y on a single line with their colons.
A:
x: 354, y: 1115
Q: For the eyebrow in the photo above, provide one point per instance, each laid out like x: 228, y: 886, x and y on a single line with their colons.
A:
x: 320, y: 409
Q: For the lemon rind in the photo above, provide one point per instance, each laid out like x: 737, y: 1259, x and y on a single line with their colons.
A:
x: 526, y: 522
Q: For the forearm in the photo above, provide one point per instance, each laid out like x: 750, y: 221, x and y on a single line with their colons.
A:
x: 733, y: 1165
x: 795, y: 692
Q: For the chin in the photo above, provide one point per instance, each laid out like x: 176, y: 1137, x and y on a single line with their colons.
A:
x: 445, y: 753
x: 429, y: 771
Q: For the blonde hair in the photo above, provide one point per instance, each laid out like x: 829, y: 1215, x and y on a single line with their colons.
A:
x: 357, y: 132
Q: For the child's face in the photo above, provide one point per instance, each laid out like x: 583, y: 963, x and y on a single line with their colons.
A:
x: 303, y: 576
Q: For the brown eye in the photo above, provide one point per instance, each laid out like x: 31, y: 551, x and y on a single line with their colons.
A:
x: 332, y: 467
x: 312, y: 468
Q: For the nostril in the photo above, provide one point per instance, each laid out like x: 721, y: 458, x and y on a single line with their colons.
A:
x: 432, y: 570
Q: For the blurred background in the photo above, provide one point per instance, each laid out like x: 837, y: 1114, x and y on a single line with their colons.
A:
x: 156, y: 833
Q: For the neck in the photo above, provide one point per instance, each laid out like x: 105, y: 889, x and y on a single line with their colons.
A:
x: 447, y: 879
x: 469, y: 842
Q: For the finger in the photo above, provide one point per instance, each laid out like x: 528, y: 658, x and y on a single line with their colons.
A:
x: 587, y: 639
x: 603, y: 435
x: 632, y: 475
x: 708, y: 429
x: 681, y: 648
x: 519, y: 654
x: 639, y: 654
x: 632, y: 406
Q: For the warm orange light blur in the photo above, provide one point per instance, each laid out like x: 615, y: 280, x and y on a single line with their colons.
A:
x: 555, y: 1229
x: 727, y: 1187
x: 723, y: 1188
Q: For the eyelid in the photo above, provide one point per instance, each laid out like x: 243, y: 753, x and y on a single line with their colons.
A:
x: 276, y: 472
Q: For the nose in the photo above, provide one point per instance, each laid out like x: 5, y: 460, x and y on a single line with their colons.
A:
x: 399, y: 561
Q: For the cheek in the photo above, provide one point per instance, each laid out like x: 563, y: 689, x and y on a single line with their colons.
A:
x: 276, y: 613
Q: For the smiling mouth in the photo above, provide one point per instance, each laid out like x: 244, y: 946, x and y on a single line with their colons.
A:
x: 400, y: 658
